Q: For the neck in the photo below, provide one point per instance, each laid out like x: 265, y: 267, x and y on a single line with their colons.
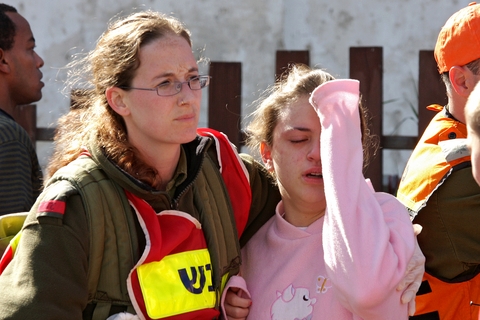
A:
x: 164, y: 159
x: 8, y: 108
x: 301, y: 216
x: 7, y: 103
x: 456, y: 107
x: 7, y: 112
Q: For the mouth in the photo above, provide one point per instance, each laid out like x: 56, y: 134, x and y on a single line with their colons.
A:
x: 186, y: 117
x: 316, y: 175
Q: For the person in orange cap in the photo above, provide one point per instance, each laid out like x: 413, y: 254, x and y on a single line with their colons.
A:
x: 438, y: 187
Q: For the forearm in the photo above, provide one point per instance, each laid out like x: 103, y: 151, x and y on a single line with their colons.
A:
x: 368, y: 238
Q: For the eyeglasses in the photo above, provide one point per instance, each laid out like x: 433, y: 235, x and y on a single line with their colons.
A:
x: 171, y: 88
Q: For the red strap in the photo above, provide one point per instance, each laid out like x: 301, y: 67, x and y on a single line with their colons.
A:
x: 6, y: 258
x: 234, y: 176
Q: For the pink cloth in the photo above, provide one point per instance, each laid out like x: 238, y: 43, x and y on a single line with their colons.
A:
x: 347, y: 264
x: 365, y: 239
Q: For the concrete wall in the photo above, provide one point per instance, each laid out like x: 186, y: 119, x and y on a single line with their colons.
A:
x: 250, y: 31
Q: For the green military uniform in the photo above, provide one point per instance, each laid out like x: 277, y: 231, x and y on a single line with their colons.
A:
x: 51, y: 274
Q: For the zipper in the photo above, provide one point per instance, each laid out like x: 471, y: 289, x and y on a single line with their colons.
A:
x: 174, y: 203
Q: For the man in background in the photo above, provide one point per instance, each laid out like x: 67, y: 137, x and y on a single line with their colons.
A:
x: 20, y: 83
x: 437, y: 185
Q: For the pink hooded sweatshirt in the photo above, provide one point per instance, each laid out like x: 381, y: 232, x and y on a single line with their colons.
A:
x: 347, y: 264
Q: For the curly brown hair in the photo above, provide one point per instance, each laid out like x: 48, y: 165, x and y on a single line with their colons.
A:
x: 113, y: 62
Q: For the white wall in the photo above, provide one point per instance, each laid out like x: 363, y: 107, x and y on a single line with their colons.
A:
x: 250, y: 31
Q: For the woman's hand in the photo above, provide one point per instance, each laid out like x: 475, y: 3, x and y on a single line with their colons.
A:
x: 236, y: 307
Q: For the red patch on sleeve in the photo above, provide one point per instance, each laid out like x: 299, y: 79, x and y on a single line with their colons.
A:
x: 52, y: 206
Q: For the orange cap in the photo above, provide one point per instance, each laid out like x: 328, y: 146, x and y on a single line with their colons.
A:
x: 459, y: 40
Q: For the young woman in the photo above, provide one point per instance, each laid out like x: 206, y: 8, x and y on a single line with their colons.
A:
x: 141, y: 214
x: 335, y: 249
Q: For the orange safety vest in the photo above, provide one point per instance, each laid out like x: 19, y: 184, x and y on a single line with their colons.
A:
x: 433, y: 159
x: 437, y: 299
x: 437, y: 153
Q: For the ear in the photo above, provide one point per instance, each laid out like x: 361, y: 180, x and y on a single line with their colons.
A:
x: 266, y: 153
x: 4, y: 66
x: 460, y: 80
x: 116, y: 99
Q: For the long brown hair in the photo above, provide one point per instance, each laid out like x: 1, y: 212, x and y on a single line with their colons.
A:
x: 113, y: 62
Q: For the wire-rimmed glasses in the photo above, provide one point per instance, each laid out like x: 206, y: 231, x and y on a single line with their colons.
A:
x: 171, y: 88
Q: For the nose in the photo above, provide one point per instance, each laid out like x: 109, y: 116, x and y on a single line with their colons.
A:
x: 40, y: 61
x: 187, y: 95
x: 314, y: 152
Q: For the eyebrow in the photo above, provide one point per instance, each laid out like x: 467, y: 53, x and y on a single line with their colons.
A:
x: 169, y: 74
x: 299, y: 129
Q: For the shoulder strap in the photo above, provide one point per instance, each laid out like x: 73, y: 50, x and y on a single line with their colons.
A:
x: 113, y: 238
x: 235, y: 176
